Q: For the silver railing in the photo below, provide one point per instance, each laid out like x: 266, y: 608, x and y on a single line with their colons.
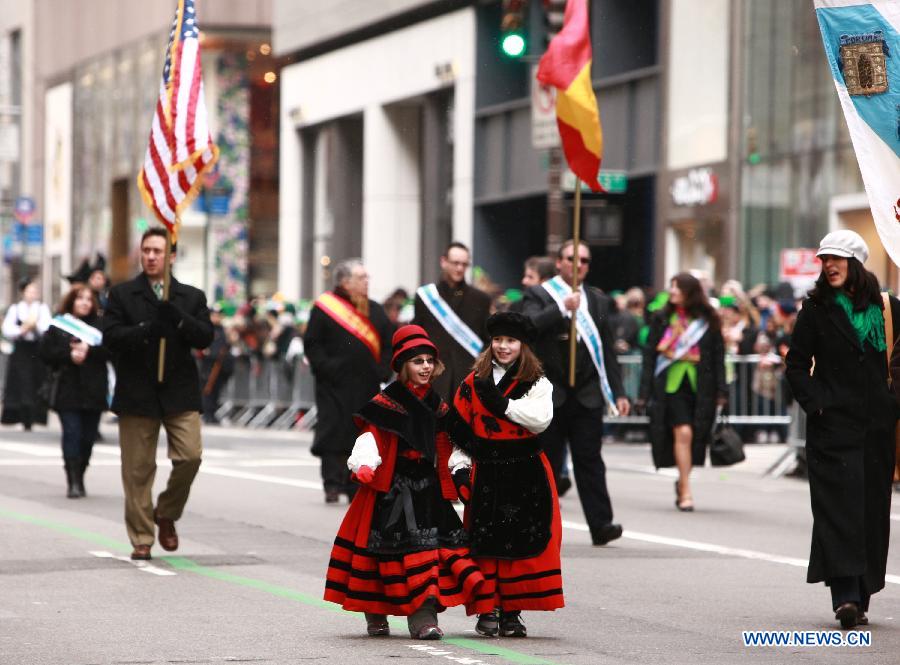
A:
x: 279, y: 394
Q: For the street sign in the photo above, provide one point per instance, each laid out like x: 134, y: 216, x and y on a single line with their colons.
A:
x: 613, y: 182
x: 24, y: 209
x: 544, y: 132
x: 799, y: 267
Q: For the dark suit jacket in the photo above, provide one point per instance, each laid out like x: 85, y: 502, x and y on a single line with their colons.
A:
x: 132, y: 306
x: 552, y: 348
x: 473, y: 307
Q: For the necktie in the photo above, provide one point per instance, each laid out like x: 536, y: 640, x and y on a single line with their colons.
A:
x: 158, y: 290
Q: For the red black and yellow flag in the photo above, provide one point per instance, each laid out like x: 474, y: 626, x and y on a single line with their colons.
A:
x: 567, y: 67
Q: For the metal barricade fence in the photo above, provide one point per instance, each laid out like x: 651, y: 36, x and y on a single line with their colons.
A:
x: 757, y: 394
x: 275, y: 394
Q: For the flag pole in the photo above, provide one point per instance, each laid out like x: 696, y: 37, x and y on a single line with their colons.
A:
x: 161, y: 372
x: 576, y: 264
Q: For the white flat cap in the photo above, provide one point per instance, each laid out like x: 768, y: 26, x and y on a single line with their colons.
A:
x: 846, y: 243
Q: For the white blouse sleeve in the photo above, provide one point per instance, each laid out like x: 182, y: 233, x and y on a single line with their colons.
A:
x: 43, y: 322
x: 365, y: 453
x: 11, y: 329
x: 458, y: 460
x: 534, y: 411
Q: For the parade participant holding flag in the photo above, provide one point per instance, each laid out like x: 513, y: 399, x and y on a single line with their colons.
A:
x: 682, y: 381
x: 136, y: 320
x: 513, y: 514
x: 77, y: 385
x: 401, y: 548
x: 453, y: 314
x: 845, y: 337
x: 346, y: 344
x: 579, y: 408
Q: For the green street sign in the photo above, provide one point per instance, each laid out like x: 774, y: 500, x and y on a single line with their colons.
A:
x: 614, y: 182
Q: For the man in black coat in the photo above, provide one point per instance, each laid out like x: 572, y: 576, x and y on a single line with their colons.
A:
x: 578, y: 411
x: 133, y: 325
x: 348, y: 346
x: 472, y: 307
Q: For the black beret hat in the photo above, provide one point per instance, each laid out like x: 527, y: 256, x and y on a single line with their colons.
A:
x: 511, y: 324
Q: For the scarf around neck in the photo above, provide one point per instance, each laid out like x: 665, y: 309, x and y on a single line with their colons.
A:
x: 868, y: 323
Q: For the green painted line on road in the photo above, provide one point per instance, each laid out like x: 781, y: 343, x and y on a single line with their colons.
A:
x: 181, y: 563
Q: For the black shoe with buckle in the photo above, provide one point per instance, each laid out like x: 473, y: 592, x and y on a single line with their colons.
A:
x: 488, y: 624
x: 511, y: 625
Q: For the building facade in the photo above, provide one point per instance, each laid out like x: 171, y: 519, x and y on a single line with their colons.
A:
x: 403, y: 127
x: 87, y: 103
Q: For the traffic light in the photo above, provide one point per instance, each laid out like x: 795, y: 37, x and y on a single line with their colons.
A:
x: 554, y: 11
x: 513, y: 37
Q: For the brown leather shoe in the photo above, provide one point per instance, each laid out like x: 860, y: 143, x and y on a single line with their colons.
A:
x: 141, y: 553
x: 847, y: 614
x: 167, y: 536
x: 862, y: 619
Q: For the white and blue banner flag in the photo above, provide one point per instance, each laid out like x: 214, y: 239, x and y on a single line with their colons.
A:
x: 862, y: 42
x: 78, y: 328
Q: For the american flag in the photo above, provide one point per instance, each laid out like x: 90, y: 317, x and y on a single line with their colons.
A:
x: 181, y: 148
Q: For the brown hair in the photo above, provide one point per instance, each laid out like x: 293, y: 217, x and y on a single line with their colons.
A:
x: 68, y: 301
x: 403, y: 374
x: 530, y: 368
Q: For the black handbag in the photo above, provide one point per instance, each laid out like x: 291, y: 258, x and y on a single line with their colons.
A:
x: 726, y: 448
x: 47, y: 391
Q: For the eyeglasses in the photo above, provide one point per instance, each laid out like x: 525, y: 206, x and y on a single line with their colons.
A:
x: 583, y: 260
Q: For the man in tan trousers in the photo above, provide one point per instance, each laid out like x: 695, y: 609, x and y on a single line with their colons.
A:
x: 135, y: 321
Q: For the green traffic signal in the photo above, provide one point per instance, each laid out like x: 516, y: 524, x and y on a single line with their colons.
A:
x: 513, y: 44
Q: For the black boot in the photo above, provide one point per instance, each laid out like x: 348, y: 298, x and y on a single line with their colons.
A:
x: 82, y: 467
x: 72, y: 466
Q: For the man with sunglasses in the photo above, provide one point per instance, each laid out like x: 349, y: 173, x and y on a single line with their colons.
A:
x: 578, y: 411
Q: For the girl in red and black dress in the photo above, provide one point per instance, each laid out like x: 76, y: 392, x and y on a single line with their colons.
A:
x: 513, y: 513
x: 402, y: 548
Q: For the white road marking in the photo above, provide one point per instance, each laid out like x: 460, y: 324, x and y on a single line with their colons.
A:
x: 45, y: 451
x: 445, y: 653
x: 710, y: 547
x: 275, y: 480
x: 140, y: 565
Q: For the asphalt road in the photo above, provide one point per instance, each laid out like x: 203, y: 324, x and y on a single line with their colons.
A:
x: 246, y: 583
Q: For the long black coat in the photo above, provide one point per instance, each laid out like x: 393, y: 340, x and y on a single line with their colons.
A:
x: 473, y: 307
x: 79, y: 387
x: 710, y: 386
x: 850, y: 422
x: 132, y: 306
x: 347, y: 376
x: 552, y: 348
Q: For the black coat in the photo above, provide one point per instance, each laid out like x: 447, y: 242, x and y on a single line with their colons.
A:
x: 473, y: 307
x: 552, y: 348
x: 132, y: 306
x: 78, y: 387
x: 851, y: 415
x: 710, y: 386
x: 347, y: 376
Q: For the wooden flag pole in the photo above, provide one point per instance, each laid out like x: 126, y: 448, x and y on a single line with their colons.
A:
x: 576, y: 264
x: 161, y: 372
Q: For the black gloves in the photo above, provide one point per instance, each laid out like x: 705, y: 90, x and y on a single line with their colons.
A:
x: 491, y: 397
x: 169, y: 313
x: 463, y: 481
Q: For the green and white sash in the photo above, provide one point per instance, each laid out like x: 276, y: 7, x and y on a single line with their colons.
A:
x: 455, y: 327
x: 688, y: 339
x: 587, y: 331
x: 78, y: 328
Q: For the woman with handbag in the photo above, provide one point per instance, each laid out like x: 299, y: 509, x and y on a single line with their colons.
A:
x: 23, y: 325
x: 683, y: 381
x: 77, y: 385
x: 837, y: 368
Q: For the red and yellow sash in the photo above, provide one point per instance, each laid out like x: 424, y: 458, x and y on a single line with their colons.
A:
x: 351, y: 320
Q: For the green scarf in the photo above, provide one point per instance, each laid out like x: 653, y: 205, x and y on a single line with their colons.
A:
x: 868, y: 324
